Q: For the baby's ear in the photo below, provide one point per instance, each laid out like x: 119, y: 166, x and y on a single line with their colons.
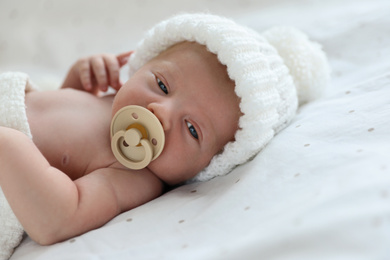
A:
x: 123, y: 58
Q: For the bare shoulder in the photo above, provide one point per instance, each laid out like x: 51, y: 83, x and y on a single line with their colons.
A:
x: 134, y: 187
x: 129, y: 188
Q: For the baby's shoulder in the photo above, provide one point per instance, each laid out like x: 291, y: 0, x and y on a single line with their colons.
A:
x: 132, y: 187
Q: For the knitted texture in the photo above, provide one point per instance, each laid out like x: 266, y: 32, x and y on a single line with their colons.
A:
x: 13, y: 86
x: 267, y: 70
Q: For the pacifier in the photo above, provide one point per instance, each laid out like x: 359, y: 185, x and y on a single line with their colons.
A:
x: 137, y: 137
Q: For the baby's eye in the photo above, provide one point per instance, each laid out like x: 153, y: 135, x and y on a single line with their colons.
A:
x: 162, y: 86
x: 192, y: 130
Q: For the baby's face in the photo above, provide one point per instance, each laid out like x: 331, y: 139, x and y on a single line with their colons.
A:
x: 191, y: 94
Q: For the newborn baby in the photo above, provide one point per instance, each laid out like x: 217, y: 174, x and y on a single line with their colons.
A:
x: 219, y: 90
x: 70, y: 161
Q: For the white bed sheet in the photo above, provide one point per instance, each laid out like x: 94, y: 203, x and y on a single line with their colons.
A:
x: 319, y: 190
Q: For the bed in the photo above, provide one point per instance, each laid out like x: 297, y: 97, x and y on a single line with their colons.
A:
x: 319, y: 190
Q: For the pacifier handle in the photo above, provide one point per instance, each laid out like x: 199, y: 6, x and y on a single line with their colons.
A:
x: 121, y: 157
x: 137, y: 137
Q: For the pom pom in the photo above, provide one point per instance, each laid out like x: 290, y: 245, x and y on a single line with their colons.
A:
x: 305, y: 59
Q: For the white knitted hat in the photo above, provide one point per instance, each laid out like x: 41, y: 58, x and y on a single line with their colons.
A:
x: 270, y: 71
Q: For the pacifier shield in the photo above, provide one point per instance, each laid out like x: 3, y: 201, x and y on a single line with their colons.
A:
x: 137, y: 137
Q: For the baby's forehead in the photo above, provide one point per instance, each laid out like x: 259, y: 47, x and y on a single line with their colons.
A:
x: 189, y: 50
x: 186, y: 46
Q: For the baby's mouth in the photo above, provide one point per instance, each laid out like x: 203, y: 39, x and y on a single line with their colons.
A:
x: 137, y: 137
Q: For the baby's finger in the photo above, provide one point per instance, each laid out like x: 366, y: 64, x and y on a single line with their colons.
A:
x: 84, y: 71
x: 113, y: 69
x: 123, y: 57
x: 100, y: 74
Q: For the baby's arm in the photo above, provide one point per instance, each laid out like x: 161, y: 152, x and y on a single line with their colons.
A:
x: 96, y: 72
x: 50, y: 206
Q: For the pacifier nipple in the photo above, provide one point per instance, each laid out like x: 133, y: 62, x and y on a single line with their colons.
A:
x: 137, y: 137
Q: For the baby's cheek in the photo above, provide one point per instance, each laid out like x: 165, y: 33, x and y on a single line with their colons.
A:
x: 198, y: 163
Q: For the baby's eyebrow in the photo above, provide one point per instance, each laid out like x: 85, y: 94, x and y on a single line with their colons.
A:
x: 171, y: 73
x: 208, y: 132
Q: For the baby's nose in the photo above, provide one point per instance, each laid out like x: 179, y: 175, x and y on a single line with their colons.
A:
x: 161, y: 114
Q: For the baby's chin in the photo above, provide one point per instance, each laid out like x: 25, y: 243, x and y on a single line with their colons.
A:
x: 157, y: 171
x: 171, y: 178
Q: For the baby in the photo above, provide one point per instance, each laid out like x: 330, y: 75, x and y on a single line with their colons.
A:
x: 220, y: 91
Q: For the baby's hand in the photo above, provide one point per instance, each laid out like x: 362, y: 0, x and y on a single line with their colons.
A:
x: 97, y: 72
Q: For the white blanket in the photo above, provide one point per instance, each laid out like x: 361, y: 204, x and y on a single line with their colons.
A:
x: 319, y: 190
x: 13, y: 115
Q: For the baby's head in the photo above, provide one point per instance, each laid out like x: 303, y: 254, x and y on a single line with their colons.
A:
x: 190, y: 93
x: 237, y: 89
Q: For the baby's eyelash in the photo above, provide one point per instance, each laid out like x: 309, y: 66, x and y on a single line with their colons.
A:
x: 192, y: 130
x: 162, y: 86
